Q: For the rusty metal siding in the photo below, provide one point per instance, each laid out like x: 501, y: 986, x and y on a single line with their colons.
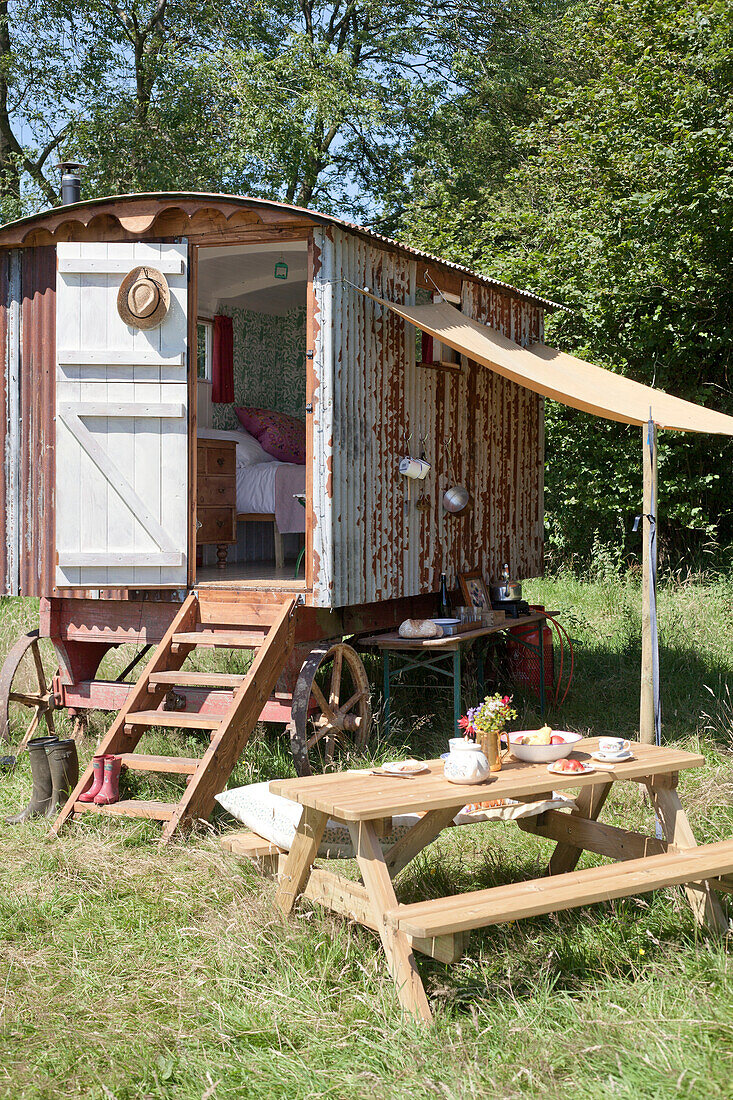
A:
x: 10, y: 335
x: 509, y: 473
x: 372, y: 396
x: 37, y: 404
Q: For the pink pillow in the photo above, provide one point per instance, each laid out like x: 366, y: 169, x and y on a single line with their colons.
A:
x: 282, y: 436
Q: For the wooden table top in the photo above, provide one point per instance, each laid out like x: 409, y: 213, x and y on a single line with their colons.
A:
x: 392, y: 640
x: 361, y: 796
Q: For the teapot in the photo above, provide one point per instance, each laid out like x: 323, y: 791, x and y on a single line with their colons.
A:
x: 466, y: 762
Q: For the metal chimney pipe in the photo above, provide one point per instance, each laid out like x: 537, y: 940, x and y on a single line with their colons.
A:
x: 70, y: 181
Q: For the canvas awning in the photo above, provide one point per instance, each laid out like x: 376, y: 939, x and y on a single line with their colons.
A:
x: 556, y: 374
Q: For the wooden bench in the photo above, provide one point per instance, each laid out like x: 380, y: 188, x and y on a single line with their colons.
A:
x: 254, y: 848
x: 480, y: 908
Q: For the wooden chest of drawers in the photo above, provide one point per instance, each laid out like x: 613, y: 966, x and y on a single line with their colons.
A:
x: 216, y: 494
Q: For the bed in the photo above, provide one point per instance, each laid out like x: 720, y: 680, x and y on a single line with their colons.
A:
x: 268, y: 491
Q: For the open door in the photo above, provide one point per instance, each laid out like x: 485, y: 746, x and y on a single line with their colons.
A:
x: 121, y: 423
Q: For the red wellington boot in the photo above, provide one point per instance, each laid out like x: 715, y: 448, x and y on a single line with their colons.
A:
x: 110, y: 791
x: 97, y: 780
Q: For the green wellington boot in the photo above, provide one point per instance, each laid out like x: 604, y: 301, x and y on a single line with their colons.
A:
x: 64, y: 764
x: 42, y: 784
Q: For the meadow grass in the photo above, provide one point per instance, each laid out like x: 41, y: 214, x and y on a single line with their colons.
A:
x: 131, y: 972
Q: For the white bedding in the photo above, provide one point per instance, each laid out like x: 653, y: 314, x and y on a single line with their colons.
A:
x: 256, y: 486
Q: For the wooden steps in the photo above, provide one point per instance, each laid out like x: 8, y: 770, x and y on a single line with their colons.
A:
x: 130, y: 807
x: 175, y: 765
x: 268, y: 629
x: 220, y: 639
x: 196, y: 679
x: 173, y: 719
x: 480, y: 908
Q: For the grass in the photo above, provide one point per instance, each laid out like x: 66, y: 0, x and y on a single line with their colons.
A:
x: 128, y: 972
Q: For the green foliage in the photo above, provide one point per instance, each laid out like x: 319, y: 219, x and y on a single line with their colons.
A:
x: 618, y: 204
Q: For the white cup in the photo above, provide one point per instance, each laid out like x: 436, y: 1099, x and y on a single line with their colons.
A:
x: 613, y: 746
x: 415, y: 468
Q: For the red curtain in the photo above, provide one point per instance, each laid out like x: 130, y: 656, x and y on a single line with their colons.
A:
x: 223, y: 361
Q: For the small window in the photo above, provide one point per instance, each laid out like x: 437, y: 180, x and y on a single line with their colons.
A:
x: 204, y: 350
x: 431, y: 352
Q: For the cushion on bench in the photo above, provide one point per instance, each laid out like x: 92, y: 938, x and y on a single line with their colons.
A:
x: 276, y: 818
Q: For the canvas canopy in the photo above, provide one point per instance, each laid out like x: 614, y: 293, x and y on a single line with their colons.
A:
x: 560, y: 376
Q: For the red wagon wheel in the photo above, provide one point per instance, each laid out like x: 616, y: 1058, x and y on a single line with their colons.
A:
x: 333, y: 719
x: 24, y: 688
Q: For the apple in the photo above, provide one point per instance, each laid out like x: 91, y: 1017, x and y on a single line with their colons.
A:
x: 569, y: 766
x: 574, y: 766
x: 556, y: 739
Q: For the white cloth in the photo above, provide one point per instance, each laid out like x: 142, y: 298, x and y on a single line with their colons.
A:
x: 256, y: 486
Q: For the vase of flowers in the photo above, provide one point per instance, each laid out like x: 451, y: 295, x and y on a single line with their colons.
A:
x: 486, y: 723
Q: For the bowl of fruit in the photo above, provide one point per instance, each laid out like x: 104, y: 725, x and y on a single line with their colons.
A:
x: 542, y: 746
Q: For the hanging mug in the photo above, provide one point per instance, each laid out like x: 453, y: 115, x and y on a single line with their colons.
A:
x: 417, y: 469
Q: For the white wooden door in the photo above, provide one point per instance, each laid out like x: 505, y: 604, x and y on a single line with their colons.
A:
x: 121, y: 423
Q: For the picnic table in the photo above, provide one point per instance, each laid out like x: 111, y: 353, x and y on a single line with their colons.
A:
x: 439, y: 927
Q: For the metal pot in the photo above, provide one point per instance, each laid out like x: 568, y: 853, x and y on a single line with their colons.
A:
x: 456, y: 498
x: 510, y: 591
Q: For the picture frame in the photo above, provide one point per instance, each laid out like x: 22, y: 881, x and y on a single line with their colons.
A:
x: 475, y: 592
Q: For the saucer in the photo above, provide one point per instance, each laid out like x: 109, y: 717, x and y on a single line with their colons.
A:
x: 617, y: 758
x: 404, y: 767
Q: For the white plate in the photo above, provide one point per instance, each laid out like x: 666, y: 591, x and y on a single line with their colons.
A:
x: 587, y: 769
x: 404, y: 767
x: 619, y: 759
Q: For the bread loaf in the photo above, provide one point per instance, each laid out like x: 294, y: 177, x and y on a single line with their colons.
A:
x: 420, y: 628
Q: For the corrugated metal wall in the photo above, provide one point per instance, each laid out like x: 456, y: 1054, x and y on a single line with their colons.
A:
x: 10, y: 427
x: 27, y: 333
x: 479, y: 430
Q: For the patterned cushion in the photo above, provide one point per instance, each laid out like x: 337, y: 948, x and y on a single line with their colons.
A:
x: 276, y: 819
x: 282, y: 436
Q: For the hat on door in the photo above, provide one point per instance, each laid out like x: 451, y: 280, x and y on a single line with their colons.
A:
x: 144, y: 298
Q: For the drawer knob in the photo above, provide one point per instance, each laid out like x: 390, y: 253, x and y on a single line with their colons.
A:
x: 220, y: 461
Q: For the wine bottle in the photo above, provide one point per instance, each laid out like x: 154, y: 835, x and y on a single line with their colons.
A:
x: 444, y: 603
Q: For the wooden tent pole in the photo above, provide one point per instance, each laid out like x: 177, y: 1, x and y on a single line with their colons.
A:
x: 646, y: 710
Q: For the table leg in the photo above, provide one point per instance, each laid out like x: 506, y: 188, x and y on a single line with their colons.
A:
x: 297, y: 869
x: 704, y: 902
x: 456, y: 691
x: 589, y: 802
x: 385, y: 655
x: 420, y: 835
x: 400, y: 959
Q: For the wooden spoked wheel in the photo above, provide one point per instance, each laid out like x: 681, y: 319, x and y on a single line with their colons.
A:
x: 26, y: 698
x: 331, y: 709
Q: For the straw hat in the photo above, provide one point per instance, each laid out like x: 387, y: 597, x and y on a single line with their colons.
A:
x: 144, y: 298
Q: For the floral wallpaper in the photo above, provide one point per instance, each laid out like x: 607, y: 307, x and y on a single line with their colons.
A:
x: 269, y: 363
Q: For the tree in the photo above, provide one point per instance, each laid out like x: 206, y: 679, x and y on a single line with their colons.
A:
x: 150, y: 117
x: 34, y: 102
x: 619, y: 205
x: 327, y: 98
